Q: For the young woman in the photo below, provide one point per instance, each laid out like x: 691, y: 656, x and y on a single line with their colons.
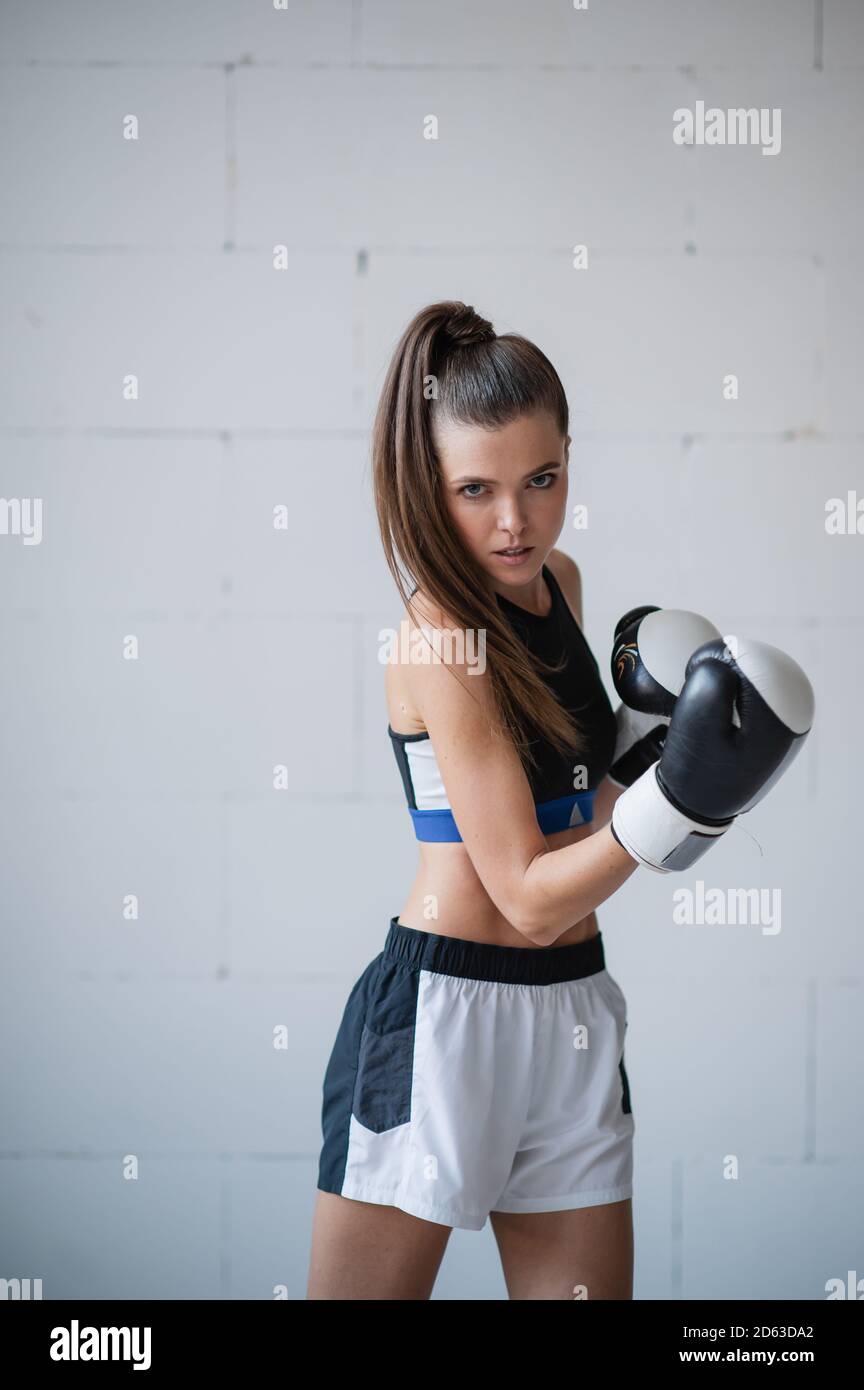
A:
x: 478, y: 1069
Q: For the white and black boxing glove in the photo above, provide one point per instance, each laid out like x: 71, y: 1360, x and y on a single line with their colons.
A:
x: 649, y: 658
x: 737, y: 724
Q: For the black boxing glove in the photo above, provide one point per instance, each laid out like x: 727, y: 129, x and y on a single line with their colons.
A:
x: 649, y: 657
x: 739, y: 721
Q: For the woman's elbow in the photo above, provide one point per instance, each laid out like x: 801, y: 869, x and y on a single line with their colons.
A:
x: 530, y: 916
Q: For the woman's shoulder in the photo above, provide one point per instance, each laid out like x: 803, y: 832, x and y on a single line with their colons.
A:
x: 407, y: 680
x: 423, y: 614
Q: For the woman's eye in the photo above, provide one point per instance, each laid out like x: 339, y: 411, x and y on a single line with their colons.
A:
x: 472, y: 496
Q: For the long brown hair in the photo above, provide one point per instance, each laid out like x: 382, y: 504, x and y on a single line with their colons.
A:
x: 450, y: 365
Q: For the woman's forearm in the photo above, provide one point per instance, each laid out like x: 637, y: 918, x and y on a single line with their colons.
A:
x: 561, y: 886
x: 604, y: 802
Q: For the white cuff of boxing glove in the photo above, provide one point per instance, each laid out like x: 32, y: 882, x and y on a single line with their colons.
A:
x: 654, y: 832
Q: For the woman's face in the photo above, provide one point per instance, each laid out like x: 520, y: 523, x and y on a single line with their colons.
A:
x: 506, y: 488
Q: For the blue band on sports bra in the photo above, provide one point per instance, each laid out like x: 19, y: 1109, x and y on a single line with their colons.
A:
x: 563, y: 813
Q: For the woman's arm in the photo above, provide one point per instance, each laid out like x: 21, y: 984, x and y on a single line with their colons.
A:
x: 607, y: 794
x: 561, y: 886
x: 540, y: 891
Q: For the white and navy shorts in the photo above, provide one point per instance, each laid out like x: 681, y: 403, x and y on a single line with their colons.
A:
x: 467, y: 1078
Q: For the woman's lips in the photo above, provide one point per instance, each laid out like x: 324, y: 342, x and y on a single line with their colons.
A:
x: 517, y: 559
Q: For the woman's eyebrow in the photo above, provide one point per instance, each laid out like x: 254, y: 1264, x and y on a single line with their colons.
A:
x: 475, y: 477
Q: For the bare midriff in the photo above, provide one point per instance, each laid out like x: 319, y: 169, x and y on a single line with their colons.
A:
x: 447, y: 881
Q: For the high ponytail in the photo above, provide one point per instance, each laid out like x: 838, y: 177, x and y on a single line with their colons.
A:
x: 450, y: 365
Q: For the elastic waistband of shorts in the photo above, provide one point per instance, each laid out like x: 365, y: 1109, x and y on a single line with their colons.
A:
x: 479, y: 960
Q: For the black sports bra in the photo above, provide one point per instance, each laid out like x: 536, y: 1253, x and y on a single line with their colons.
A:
x: 563, y: 795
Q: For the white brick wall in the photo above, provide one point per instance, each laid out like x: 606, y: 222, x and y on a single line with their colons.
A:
x: 154, y: 257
